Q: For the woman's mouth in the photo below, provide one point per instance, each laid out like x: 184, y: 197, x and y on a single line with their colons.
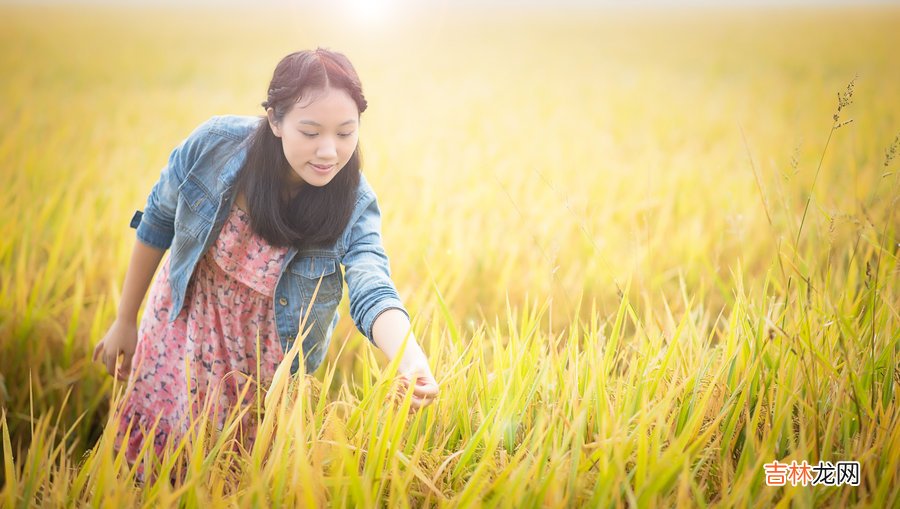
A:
x: 322, y: 169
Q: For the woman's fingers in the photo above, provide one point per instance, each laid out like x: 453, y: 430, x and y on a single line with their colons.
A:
x: 100, y: 354
x: 426, y: 388
x: 422, y: 402
x: 416, y: 403
x: 424, y: 391
x: 125, y: 368
x: 97, y: 350
x: 110, y: 359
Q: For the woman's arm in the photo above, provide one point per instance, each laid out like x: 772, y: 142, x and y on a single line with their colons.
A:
x: 375, y: 305
x: 144, y: 262
x: 389, y: 331
x: 155, y: 229
x: 121, y: 338
x: 367, y: 272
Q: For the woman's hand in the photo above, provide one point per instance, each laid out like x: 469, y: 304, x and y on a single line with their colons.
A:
x: 389, y: 331
x: 414, y: 369
x: 121, y: 338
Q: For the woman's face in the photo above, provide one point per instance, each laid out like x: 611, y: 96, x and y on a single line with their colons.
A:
x: 319, y: 135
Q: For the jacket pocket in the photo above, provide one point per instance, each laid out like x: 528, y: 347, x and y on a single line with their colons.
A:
x: 307, y: 271
x: 196, y: 209
x: 200, y: 201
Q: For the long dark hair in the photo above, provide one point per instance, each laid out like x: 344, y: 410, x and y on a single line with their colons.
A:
x: 315, y: 216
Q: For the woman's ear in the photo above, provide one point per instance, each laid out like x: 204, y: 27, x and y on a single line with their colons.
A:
x: 273, y: 124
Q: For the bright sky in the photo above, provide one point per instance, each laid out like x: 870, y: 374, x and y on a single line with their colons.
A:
x: 379, y: 5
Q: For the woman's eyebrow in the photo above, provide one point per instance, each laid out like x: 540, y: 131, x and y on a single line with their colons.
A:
x: 313, y: 122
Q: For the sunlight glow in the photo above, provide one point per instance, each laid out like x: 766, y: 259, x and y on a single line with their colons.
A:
x: 368, y: 11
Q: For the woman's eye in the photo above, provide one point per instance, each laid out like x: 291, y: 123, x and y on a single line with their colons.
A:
x: 313, y: 135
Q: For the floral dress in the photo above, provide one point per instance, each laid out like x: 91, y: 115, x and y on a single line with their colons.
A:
x: 211, y: 344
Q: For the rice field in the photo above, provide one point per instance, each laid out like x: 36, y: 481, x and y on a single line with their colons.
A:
x: 647, y: 253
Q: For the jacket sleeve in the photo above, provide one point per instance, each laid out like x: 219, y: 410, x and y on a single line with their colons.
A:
x: 156, y: 224
x: 367, y: 272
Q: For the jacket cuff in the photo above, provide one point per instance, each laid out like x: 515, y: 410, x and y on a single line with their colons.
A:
x: 151, y: 233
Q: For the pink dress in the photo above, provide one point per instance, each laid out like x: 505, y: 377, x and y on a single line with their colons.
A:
x: 228, y: 299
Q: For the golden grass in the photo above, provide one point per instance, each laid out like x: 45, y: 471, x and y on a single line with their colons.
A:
x: 594, y: 219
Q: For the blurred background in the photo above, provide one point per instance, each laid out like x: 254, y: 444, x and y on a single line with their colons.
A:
x: 522, y: 153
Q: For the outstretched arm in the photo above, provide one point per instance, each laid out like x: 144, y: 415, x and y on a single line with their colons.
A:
x: 376, y: 307
x: 389, y: 331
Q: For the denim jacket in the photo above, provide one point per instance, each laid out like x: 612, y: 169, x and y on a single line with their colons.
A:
x: 188, y: 207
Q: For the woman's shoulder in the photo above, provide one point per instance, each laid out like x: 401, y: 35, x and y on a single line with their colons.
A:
x: 237, y: 127
x: 220, y: 134
x: 220, y: 129
x: 364, y: 191
x: 365, y: 195
x: 214, y: 142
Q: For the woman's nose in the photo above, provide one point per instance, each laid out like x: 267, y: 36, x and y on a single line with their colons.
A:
x: 326, y: 149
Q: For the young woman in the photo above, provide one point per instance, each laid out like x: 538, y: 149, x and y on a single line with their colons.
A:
x: 259, y: 212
